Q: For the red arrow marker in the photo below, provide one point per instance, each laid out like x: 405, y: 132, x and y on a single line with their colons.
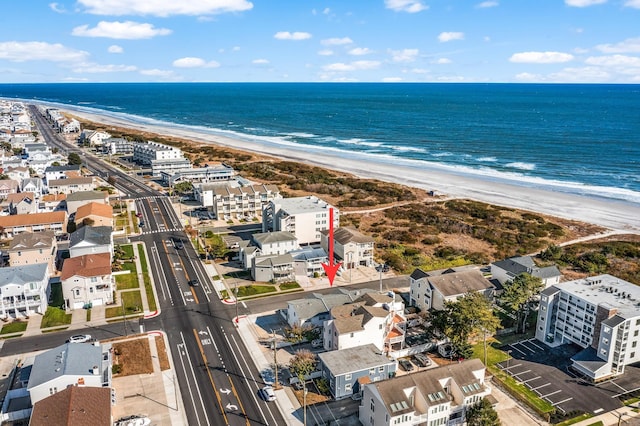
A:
x: 331, y: 269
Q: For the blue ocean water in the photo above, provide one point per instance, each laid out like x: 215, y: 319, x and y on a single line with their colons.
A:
x: 572, y: 138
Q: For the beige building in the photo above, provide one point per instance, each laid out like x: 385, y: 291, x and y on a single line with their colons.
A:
x: 94, y: 214
x: 351, y: 247
x: 11, y: 226
x: 77, y: 199
x: 22, y: 203
x: 87, y: 280
x: 30, y: 248
x: 71, y: 185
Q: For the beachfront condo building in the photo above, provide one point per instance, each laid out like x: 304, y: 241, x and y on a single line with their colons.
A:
x: 235, y: 202
x: 145, y: 153
x: 601, y: 314
x: 305, y: 217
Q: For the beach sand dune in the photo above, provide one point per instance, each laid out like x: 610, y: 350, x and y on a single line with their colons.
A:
x: 616, y: 215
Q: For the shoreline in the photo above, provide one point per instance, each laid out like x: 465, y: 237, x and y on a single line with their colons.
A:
x: 613, y: 214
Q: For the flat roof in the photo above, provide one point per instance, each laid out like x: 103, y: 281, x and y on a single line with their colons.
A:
x: 606, y: 290
x: 353, y: 359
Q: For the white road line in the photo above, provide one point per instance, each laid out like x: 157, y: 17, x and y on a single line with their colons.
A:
x: 615, y: 384
x: 516, y: 349
x: 164, y: 283
x: 549, y: 394
x: 527, y: 347
x: 534, y: 344
x: 539, y: 387
x: 522, y: 372
x: 511, y: 366
x: 529, y: 380
x: 184, y: 347
x: 561, y: 402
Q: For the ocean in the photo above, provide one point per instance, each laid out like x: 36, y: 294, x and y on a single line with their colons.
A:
x: 582, y: 139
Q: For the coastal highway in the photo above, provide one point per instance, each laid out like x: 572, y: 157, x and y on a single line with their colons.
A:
x: 217, y: 379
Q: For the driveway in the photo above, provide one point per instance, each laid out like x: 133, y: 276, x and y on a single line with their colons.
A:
x: 545, y: 371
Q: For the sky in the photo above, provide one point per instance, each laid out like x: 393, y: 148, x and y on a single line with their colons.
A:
x: 501, y: 41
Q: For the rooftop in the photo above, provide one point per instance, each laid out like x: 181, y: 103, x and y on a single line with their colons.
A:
x: 607, y: 291
x: 23, y: 274
x: 455, y: 283
x: 32, y: 240
x: 89, y: 265
x: 74, y: 405
x: 32, y: 219
x: 353, y: 359
x: 93, y: 208
x: 72, y: 359
x: 297, y: 205
x: 273, y: 237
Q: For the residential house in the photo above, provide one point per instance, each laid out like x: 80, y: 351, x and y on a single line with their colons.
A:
x: 30, y: 248
x: 33, y: 185
x: 71, y: 364
x: 53, y: 203
x: 240, y: 202
x: 376, y: 319
x: 308, y: 261
x: 437, y: 396
x: 314, y: 310
x: 17, y: 173
x: 600, y: 314
x: 273, y: 268
x: 72, y: 406
x: 24, y: 290
x: 347, y: 370
x: 218, y: 173
x: 8, y: 186
x: 77, y: 199
x: 267, y: 244
x: 87, y: 281
x: 305, y: 217
x: 91, y: 240
x: 94, y: 214
x: 507, y: 269
x: 93, y: 137
x: 430, y: 290
x: 71, y: 185
x: 60, y: 172
x: 351, y: 247
x: 35, y: 222
x: 22, y: 203
x: 117, y: 146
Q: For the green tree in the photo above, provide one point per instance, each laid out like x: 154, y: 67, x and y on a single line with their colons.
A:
x: 74, y: 159
x: 217, y: 247
x: 301, y: 365
x: 553, y: 252
x: 183, y: 187
x: 482, y: 414
x: 520, y: 295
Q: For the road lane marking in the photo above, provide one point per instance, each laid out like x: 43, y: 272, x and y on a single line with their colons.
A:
x: 233, y: 388
x: 183, y: 351
x: 166, y: 250
x: 191, y: 289
x: 163, y: 278
x: 213, y: 384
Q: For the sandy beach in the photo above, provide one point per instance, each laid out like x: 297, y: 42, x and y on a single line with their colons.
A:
x: 616, y: 215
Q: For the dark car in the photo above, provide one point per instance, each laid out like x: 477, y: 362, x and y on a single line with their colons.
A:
x: 194, y: 283
x: 422, y: 360
x: 178, y: 244
x: 405, y: 364
x: 141, y: 224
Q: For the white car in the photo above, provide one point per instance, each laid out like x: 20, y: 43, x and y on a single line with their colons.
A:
x: 80, y: 338
x: 267, y: 394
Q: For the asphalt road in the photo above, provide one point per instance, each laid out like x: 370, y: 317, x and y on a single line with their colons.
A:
x: 217, y: 380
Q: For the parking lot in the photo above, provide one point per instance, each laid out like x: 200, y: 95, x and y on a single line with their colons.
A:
x: 545, y: 371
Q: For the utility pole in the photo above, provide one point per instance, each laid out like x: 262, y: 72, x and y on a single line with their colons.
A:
x: 304, y: 401
x: 276, y: 385
x: 381, y: 268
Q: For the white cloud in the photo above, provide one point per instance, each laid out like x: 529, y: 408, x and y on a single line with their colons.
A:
x: 409, y: 6
x: 326, y: 11
x: 630, y: 45
x: 580, y: 75
x: 353, y: 66
x: 392, y: 79
x: 336, y: 41
x: 487, y: 4
x: 286, y: 35
x: 360, y: 51
x: 260, y: 61
x: 57, y: 8
x: 614, y: 61
x: 583, y: 3
x: 633, y: 3
x: 442, y: 61
x: 163, y: 8
x: 16, y: 51
x: 404, y: 55
x: 158, y: 73
x: 192, y: 62
x: 97, y: 68
x: 114, y: 48
x: 128, y: 30
x: 235, y: 48
x: 325, y: 52
x: 419, y: 71
x: 541, y: 57
x: 525, y: 76
x: 450, y: 36
x: 580, y: 51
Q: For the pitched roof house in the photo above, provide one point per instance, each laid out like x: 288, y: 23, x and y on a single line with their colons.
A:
x: 351, y: 247
x: 75, y: 405
x: 22, y: 203
x: 29, y: 248
x: 507, y: 269
x: 94, y: 214
x: 91, y: 240
x: 87, y: 280
x: 35, y: 222
x: 77, y: 199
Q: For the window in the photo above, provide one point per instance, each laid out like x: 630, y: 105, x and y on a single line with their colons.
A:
x: 633, y: 344
x: 633, y: 355
x: 347, y: 376
x: 373, y: 406
x: 372, y: 371
x: 381, y: 369
x: 347, y: 387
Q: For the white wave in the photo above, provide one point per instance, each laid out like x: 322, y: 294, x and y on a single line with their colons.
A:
x: 442, y: 154
x: 488, y: 159
x: 358, y: 141
x: 407, y: 148
x: 301, y: 135
x: 521, y: 166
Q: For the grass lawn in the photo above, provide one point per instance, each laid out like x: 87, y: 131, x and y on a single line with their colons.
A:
x: 14, y: 327
x: 148, y: 289
x: 130, y: 266
x: 289, y: 286
x: 127, y: 281
x: 132, y: 305
x: 252, y: 290
x: 238, y: 275
x: 128, y: 250
x: 576, y: 420
x: 54, y: 317
x: 56, y: 295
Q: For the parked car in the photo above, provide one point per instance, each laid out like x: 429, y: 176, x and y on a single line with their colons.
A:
x: 138, y: 214
x: 267, y: 393
x: 317, y: 343
x: 422, y: 360
x: 405, y: 364
x: 80, y: 338
x: 268, y: 377
x: 141, y: 224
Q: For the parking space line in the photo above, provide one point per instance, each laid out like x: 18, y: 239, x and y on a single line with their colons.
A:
x: 533, y: 351
x: 528, y: 380
x: 563, y: 401
x: 615, y: 384
x: 549, y: 394
x: 534, y: 344
x: 522, y: 372
x: 541, y: 386
x: 511, y: 366
x: 513, y: 347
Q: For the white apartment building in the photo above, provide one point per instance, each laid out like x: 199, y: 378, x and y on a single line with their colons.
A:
x: 145, y: 153
x: 24, y: 290
x: 169, y: 166
x: 219, y: 173
x: 268, y: 244
x: 351, y: 247
x: 305, y: 217
x: 237, y: 202
x: 434, y: 397
x: 600, y: 314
